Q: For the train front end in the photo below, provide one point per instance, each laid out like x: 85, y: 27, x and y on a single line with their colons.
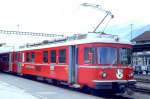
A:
x: 107, y: 66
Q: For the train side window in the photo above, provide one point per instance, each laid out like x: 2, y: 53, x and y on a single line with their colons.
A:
x: 32, y: 57
x: 53, y: 56
x: 27, y: 57
x: 16, y: 56
x: 45, y: 56
x: 86, y: 51
x: 62, y: 56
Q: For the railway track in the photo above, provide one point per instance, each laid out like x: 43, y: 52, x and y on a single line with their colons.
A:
x: 142, y: 80
x: 140, y: 89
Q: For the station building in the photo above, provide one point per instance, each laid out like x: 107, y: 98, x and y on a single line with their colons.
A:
x: 141, y: 53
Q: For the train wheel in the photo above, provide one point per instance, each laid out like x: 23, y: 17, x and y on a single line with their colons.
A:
x: 85, y: 89
x: 39, y: 78
x: 55, y: 82
x: 19, y: 74
x: 94, y: 92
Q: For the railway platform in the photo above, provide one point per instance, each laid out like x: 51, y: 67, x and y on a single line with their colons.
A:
x: 15, y: 87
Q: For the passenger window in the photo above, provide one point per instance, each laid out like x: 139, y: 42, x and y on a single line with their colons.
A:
x: 16, y: 56
x: 27, y: 57
x: 32, y: 57
x: 53, y: 56
x: 62, y: 56
x: 86, y: 51
x: 45, y: 56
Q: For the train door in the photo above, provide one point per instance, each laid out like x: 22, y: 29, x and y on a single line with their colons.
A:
x: 10, y: 62
x: 18, y: 62
x: 73, y: 64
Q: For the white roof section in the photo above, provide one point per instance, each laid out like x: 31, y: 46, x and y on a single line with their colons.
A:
x: 77, y: 39
x: 74, y: 40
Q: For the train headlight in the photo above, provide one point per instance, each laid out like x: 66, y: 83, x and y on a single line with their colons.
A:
x: 104, y: 74
x: 131, y: 74
x: 119, y: 73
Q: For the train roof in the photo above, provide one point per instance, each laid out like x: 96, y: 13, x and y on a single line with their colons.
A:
x: 74, y: 40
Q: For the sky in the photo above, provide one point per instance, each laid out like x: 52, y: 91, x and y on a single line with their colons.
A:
x: 69, y: 17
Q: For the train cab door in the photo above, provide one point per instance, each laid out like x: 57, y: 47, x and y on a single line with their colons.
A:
x: 73, y: 64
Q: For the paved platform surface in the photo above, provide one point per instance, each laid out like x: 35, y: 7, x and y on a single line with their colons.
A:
x: 8, y: 91
x: 13, y: 87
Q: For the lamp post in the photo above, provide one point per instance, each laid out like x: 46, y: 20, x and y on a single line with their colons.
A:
x: 131, y: 30
x: 18, y: 26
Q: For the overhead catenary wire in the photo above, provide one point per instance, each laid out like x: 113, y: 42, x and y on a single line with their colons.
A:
x: 29, y: 33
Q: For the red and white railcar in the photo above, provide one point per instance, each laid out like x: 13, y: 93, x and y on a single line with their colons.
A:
x: 98, y: 61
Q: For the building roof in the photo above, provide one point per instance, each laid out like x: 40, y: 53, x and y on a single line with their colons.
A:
x: 143, y: 37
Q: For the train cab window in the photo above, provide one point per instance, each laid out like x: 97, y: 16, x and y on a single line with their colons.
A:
x: 125, y: 56
x: 27, y: 57
x: 45, y: 56
x: 53, y: 56
x: 62, y: 56
x: 107, y: 55
x: 32, y: 57
x: 90, y: 55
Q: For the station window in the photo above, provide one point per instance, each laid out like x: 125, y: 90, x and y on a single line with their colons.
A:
x: 45, y: 56
x: 32, y: 57
x: 27, y: 57
x: 62, y: 56
x: 53, y: 56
